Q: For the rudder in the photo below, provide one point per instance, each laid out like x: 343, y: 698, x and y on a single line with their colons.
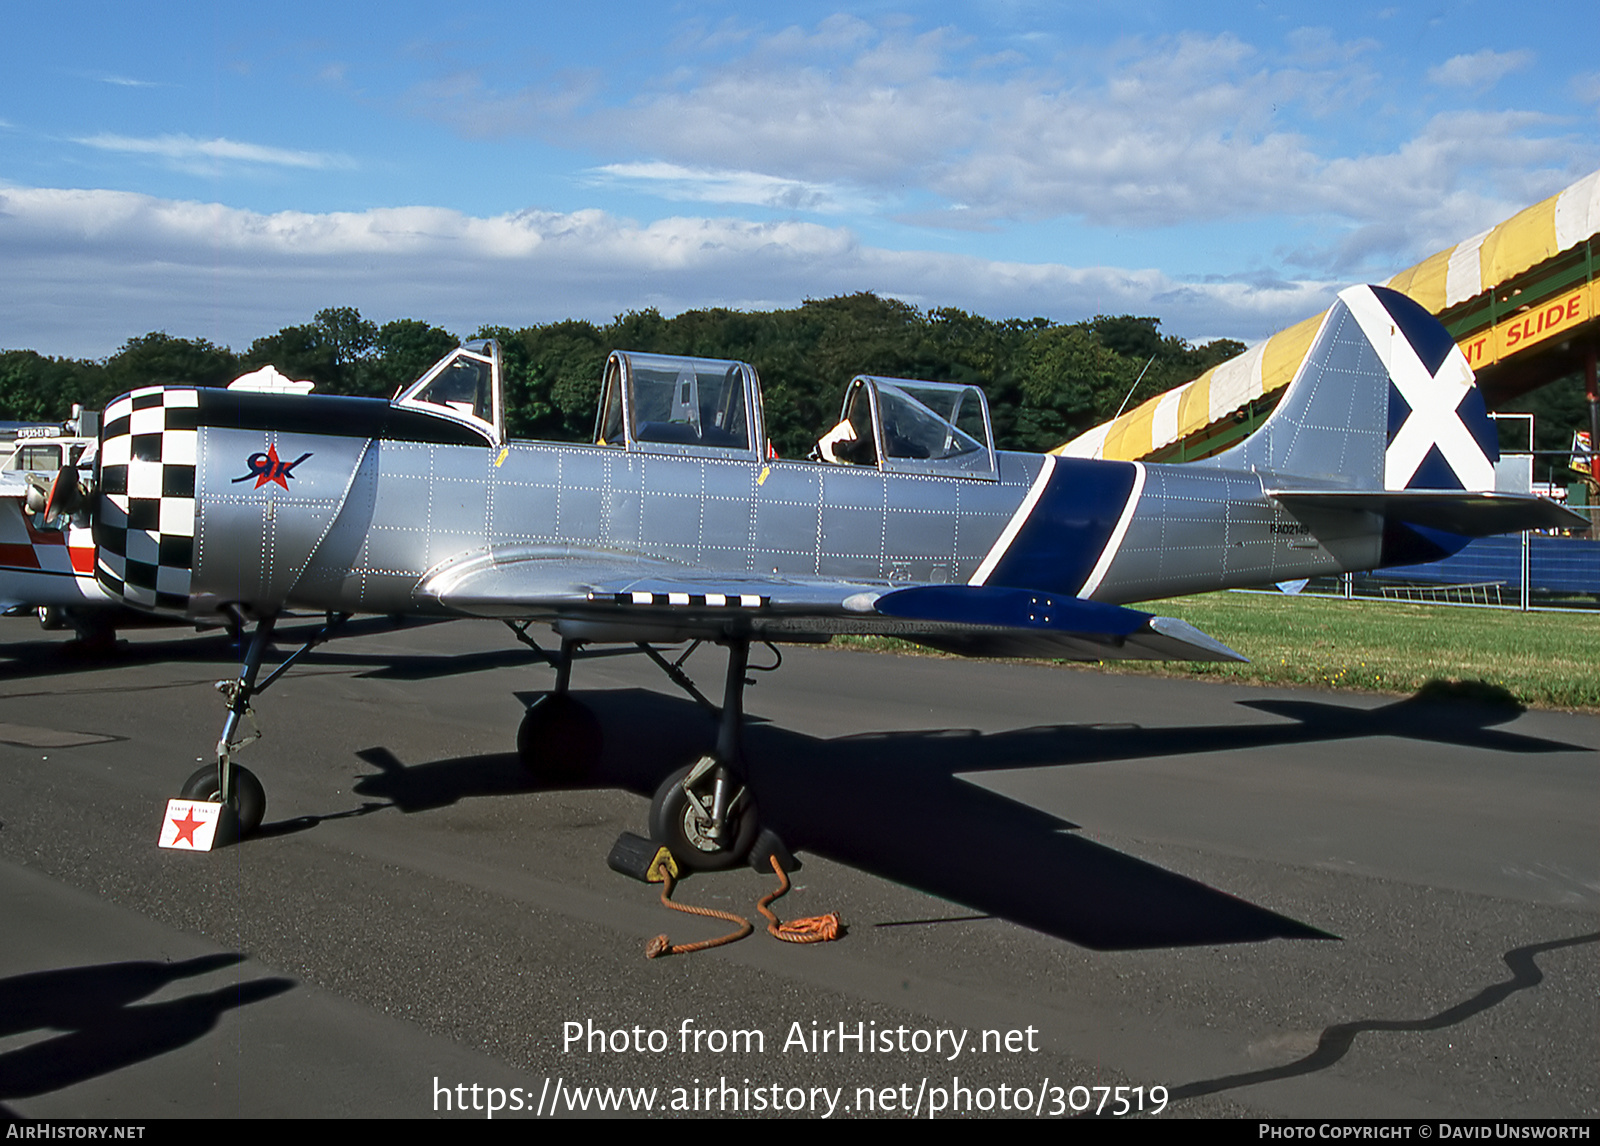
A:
x: 1384, y: 400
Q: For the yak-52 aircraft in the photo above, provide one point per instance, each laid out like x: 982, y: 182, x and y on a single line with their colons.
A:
x: 676, y: 524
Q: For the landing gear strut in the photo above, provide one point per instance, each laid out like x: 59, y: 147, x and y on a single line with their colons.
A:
x: 559, y: 738
x: 705, y: 814
x: 236, y: 787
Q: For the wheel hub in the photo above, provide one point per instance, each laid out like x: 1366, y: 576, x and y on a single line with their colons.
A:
x: 696, y: 828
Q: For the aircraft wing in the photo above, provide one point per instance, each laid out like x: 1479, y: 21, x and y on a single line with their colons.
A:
x: 659, y: 601
x: 1464, y: 514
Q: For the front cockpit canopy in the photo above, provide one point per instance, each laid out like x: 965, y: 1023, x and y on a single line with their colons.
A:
x: 655, y: 403
x: 464, y: 385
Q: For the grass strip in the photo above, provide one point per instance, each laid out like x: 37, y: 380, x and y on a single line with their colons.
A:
x: 1544, y: 660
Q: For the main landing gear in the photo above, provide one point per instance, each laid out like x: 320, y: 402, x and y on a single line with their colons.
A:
x: 704, y: 813
x: 559, y: 738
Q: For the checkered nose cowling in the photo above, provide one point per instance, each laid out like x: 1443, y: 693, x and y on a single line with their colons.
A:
x: 144, y: 526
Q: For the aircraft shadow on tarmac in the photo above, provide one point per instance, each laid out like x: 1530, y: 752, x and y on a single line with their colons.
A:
x: 44, y: 656
x: 104, y: 1026
x: 895, y: 804
x: 1335, y: 1041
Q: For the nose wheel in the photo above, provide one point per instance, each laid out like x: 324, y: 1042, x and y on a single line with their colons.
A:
x: 226, y: 782
x: 250, y: 796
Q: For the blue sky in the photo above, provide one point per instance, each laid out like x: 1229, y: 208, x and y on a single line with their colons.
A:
x: 212, y: 172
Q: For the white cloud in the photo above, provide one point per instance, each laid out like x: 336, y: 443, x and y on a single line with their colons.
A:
x: 676, y: 182
x: 122, y: 81
x: 187, y: 151
x: 87, y: 269
x: 1479, y: 70
x: 1148, y: 134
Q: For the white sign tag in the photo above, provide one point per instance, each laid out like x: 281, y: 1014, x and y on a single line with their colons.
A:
x: 190, y: 825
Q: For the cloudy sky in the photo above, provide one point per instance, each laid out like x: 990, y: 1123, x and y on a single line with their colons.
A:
x: 214, y: 172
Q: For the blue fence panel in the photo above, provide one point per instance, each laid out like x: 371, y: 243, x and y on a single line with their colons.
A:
x: 1556, y: 565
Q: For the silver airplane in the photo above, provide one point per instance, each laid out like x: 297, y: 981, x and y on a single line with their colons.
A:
x: 678, y: 525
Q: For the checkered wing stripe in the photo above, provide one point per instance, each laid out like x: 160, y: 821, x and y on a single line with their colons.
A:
x: 690, y: 600
x: 144, y: 530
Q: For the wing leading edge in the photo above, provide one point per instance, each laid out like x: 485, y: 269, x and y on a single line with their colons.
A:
x: 599, y: 596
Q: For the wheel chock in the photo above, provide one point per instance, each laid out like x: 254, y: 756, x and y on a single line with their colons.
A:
x: 641, y: 859
x: 769, y: 847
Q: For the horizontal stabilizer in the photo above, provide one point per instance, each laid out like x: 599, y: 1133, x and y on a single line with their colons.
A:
x: 1464, y: 514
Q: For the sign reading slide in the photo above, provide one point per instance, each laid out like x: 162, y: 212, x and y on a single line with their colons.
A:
x: 1531, y: 326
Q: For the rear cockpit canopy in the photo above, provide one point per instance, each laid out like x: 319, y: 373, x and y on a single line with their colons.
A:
x: 908, y: 426
x: 660, y: 404
x: 465, y: 386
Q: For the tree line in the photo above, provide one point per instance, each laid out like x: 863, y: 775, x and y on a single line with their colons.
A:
x: 1046, y: 382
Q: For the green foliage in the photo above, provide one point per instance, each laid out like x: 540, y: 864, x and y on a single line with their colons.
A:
x: 34, y: 388
x: 402, y: 353
x: 157, y: 359
x: 1070, y: 382
x: 1557, y: 410
x: 552, y: 378
x: 1046, y: 383
x: 297, y: 351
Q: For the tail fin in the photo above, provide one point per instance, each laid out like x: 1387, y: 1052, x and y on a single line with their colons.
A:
x: 1383, y: 401
x: 1383, y: 417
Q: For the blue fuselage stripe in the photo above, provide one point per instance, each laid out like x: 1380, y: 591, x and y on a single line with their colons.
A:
x: 1058, y: 546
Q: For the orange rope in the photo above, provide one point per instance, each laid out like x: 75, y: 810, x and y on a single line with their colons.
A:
x: 661, y: 945
x: 818, y: 929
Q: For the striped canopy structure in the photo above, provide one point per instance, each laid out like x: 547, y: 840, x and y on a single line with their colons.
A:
x: 1475, y: 287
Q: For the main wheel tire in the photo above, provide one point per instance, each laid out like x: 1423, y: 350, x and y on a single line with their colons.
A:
x: 50, y: 617
x: 559, y: 738
x: 676, y: 822
x: 247, y: 790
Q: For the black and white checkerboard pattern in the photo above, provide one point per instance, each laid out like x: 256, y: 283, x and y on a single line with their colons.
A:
x: 144, y: 530
x: 691, y: 600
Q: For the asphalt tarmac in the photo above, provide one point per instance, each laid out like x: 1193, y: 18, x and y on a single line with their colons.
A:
x: 1064, y: 891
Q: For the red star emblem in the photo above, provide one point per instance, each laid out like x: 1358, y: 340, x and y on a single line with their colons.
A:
x: 186, y: 827
x: 272, y: 470
x: 270, y: 467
